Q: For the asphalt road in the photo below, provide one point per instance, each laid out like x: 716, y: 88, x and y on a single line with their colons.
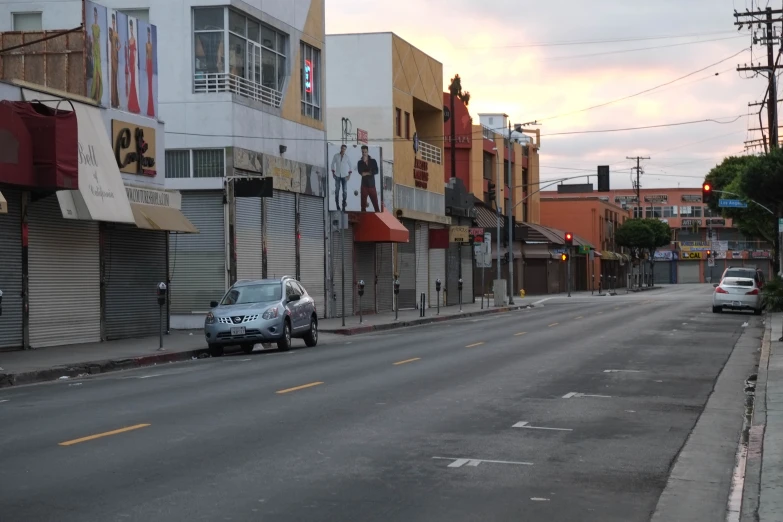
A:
x: 414, y: 424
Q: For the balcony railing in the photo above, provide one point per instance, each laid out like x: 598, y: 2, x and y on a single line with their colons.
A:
x: 222, y: 82
x: 488, y: 133
x: 430, y: 153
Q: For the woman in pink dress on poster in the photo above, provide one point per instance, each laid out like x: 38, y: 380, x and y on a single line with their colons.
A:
x: 133, y: 96
x: 150, y: 73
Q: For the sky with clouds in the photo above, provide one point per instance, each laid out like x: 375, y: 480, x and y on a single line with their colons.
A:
x: 496, y: 49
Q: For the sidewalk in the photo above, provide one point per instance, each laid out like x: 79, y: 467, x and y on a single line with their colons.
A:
x: 49, y: 364
x: 767, y: 493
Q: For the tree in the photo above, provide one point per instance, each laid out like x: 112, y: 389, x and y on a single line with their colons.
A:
x: 455, y: 89
x: 752, y: 221
x: 635, y: 234
x: 662, y: 236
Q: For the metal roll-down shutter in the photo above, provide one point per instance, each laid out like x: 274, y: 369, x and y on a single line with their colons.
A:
x: 406, y: 260
x: 249, y: 238
x: 437, y: 266
x: 197, y: 262
x: 64, y: 277
x: 364, y: 256
x: 280, y: 228
x: 11, y: 322
x: 338, y: 255
x: 134, y: 263
x: 422, y: 262
x: 311, y: 250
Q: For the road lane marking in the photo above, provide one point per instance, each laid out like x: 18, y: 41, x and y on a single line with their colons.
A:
x: 616, y: 307
x: 553, y: 324
x: 459, y: 462
x: 520, y: 333
x: 622, y: 371
x: 571, y: 395
x: 524, y: 424
x: 297, y: 388
x: 474, y: 345
x: 581, y: 317
x: 599, y: 313
x: 539, y: 499
x: 541, y: 301
x: 4, y: 400
x: 105, y: 434
x: 407, y: 361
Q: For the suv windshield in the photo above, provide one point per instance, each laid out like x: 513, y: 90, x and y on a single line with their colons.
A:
x: 261, y: 293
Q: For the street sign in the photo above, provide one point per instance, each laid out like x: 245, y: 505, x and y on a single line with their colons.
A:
x: 732, y: 203
x: 710, y: 262
x: 459, y: 234
x: 780, y: 224
x: 483, y: 259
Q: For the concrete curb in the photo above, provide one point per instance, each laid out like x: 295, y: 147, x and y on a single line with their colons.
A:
x: 95, y: 367
x: 355, y: 330
x: 752, y: 487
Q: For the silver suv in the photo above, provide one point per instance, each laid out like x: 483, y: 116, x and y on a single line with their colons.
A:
x: 261, y: 311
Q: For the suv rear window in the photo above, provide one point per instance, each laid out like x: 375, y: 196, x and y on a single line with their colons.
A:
x: 737, y: 281
x: 740, y: 272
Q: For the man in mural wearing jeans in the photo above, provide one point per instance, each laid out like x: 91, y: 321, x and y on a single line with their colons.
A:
x: 368, y: 169
x: 341, y: 172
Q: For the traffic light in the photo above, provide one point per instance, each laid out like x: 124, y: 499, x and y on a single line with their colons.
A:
x: 569, y: 239
x: 491, y: 191
x: 709, y: 253
x: 706, y: 193
x: 563, y: 257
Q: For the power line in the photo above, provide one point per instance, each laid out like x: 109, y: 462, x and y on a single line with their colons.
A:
x: 646, y: 90
x: 592, y: 42
x: 621, y: 51
x: 708, y: 120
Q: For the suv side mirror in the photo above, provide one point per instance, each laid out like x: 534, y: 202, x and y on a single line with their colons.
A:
x: 294, y: 297
x: 213, y: 304
x: 715, y: 285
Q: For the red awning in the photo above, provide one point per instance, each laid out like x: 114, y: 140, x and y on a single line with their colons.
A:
x: 16, y: 150
x: 379, y: 227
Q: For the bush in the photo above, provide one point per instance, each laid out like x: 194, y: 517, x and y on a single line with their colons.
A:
x: 772, y: 295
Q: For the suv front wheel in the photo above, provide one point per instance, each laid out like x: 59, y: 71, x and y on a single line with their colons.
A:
x: 284, y: 344
x: 311, y: 338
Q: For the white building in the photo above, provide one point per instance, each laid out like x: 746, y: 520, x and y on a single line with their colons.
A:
x: 240, y: 92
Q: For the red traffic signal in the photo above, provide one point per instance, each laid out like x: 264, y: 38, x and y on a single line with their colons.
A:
x: 706, y: 193
x: 569, y: 239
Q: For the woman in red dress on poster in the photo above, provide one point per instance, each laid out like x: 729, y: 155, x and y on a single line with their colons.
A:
x: 150, y: 73
x: 133, y: 96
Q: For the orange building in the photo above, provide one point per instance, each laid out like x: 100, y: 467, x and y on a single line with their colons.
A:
x: 595, y: 220
x: 695, y: 229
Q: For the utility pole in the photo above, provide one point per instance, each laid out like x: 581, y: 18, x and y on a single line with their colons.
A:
x: 638, y: 169
x: 510, y: 223
x: 346, y: 130
x: 750, y: 18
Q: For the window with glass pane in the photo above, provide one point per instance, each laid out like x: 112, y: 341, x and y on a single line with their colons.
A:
x: 697, y: 211
x: 236, y: 55
x: 177, y: 163
x: 669, y: 212
x: 208, y: 163
x: 268, y: 38
x: 311, y: 81
x: 209, y: 52
x: 253, y: 30
x: 237, y: 23
x: 27, y: 22
x: 208, y: 19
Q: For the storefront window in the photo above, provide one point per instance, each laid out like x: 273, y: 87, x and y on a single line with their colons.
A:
x: 670, y: 211
x: 654, y: 212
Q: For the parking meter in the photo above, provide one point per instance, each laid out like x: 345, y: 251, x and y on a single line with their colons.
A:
x: 360, y: 286
x: 396, y: 298
x: 437, y: 289
x: 459, y: 287
x: 161, y: 292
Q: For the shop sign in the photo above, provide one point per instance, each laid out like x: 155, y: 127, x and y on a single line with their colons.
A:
x: 458, y: 234
x: 691, y: 222
x: 695, y: 246
x: 421, y: 174
x: 716, y: 221
x: 656, y: 198
x: 736, y: 255
x: 362, y: 136
x: 760, y: 254
x: 625, y: 199
x: 663, y: 255
x: 691, y: 256
x: 477, y: 235
x: 691, y: 198
x: 134, y: 148
x: 583, y: 249
x: 157, y: 198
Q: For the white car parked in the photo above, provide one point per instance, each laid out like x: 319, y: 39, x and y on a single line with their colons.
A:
x: 737, y: 293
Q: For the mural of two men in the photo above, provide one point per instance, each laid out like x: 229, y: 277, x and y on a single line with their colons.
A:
x: 355, y: 192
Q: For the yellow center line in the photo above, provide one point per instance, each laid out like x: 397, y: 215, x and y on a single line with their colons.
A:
x: 553, y: 324
x: 407, y: 361
x: 106, y: 434
x: 520, y: 333
x: 297, y: 388
x: 474, y: 345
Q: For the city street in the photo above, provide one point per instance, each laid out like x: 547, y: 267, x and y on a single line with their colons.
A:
x: 573, y: 410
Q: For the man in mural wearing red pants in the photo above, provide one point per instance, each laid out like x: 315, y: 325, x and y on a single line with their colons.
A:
x: 368, y: 169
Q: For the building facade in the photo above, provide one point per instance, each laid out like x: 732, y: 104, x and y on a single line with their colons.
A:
x: 394, y: 102
x: 695, y: 230
x: 240, y: 89
x: 595, y: 220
